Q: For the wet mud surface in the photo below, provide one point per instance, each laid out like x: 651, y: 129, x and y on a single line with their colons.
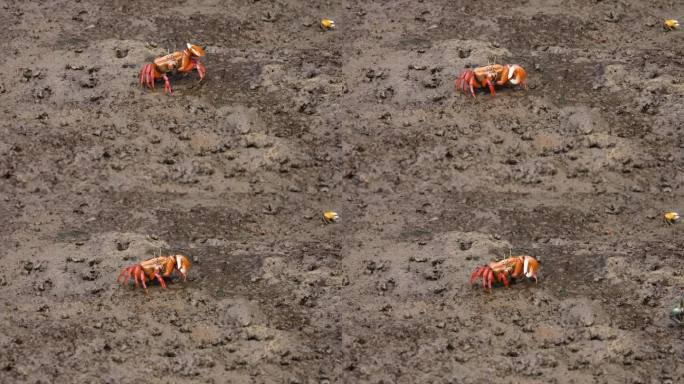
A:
x: 97, y: 174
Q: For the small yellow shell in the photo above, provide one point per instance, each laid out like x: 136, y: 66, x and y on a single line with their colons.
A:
x: 327, y: 24
x: 670, y: 24
x: 330, y: 217
x: 671, y: 217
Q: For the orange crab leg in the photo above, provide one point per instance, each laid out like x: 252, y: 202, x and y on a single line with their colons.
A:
x: 160, y: 279
x: 491, y: 87
x: 473, y: 83
x: 467, y: 81
x: 145, y: 75
x: 475, y: 274
x: 463, y: 81
x: 151, y: 76
x: 504, y: 279
x: 200, y: 69
x: 490, y: 278
x: 142, y: 279
x: 167, y: 85
x: 123, y: 272
x: 460, y: 80
x: 135, y: 273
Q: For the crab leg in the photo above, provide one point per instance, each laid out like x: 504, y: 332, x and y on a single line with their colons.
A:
x: 142, y: 279
x: 143, y: 75
x: 467, y: 81
x: 167, y: 85
x: 123, y: 272
x: 151, y: 77
x: 160, y: 279
x: 200, y: 69
x: 460, y: 80
x: 503, y: 278
x: 491, y: 87
x: 490, y: 278
x: 477, y: 272
x: 136, y: 271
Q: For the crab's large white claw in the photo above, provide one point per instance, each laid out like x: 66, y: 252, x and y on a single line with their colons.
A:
x: 516, y: 74
x: 195, y: 49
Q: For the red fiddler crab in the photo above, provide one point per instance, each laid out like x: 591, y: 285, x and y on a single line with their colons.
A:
x: 511, y: 267
x: 158, y: 267
x: 181, y: 61
x: 490, y: 75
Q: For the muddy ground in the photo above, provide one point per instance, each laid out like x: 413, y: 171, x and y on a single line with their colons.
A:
x: 97, y: 174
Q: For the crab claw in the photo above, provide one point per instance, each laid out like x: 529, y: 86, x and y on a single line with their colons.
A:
x: 476, y: 273
x: 517, y: 75
x: 182, y: 266
x: 200, y: 69
x: 530, y: 267
x: 196, y: 50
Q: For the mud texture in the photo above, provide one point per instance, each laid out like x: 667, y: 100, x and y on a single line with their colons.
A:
x: 97, y: 174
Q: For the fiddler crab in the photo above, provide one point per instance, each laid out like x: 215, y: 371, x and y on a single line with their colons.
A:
x: 330, y: 217
x: 181, y: 61
x: 490, y: 75
x: 671, y: 217
x: 327, y: 24
x: 158, y: 267
x: 670, y: 24
x: 509, y: 268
